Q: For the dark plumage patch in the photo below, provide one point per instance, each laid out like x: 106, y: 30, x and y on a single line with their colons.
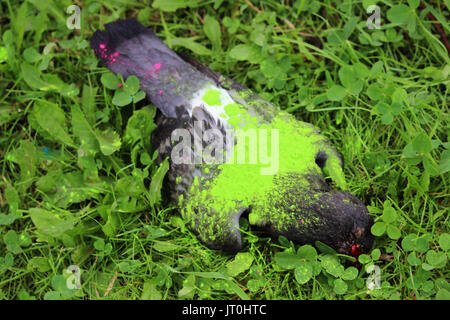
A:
x: 336, y: 218
x: 118, y: 32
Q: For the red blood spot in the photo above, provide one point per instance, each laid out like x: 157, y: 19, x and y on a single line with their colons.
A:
x: 120, y: 85
x: 355, y: 250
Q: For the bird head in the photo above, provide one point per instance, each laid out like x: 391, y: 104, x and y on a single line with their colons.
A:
x: 304, y: 209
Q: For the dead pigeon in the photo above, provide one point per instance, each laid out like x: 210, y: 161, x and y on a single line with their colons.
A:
x: 232, y: 152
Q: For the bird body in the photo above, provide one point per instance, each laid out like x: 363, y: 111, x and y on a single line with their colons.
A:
x: 215, y: 176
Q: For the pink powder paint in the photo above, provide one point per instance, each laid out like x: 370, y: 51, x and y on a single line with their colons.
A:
x: 120, y: 85
x: 102, y: 46
x: 157, y: 66
x: 160, y: 92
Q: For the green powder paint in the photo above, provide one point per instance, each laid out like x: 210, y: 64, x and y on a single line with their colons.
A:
x: 210, y: 207
x: 333, y: 168
x: 234, y: 109
x: 212, y: 97
x: 243, y: 184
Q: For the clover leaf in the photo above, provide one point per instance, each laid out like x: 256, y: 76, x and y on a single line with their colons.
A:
x: 125, y: 93
x: 389, y: 217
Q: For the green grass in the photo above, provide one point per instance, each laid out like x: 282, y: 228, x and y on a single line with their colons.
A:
x: 78, y: 183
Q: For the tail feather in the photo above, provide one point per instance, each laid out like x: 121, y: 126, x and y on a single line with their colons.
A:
x: 126, y: 47
x: 118, y: 32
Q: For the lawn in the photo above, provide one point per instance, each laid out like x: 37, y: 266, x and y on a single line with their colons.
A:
x: 82, y: 211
